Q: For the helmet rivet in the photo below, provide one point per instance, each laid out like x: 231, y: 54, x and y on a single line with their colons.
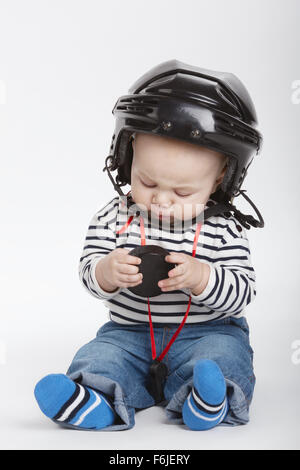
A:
x: 195, y: 133
x: 166, y: 125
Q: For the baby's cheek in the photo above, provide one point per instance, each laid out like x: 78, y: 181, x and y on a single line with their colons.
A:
x: 140, y: 197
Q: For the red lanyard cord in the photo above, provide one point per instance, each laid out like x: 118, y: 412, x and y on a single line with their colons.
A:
x: 162, y: 355
x: 143, y: 242
x: 164, y: 352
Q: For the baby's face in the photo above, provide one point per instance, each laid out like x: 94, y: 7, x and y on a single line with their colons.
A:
x: 172, y: 178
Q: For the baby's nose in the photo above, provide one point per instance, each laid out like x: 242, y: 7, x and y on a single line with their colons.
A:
x: 161, y: 202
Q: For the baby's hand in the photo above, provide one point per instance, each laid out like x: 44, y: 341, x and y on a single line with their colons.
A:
x: 118, y: 269
x: 189, y: 273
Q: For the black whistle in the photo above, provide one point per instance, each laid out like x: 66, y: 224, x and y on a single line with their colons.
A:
x: 156, y: 380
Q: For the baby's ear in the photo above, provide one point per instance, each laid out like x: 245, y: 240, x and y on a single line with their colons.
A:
x: 132, y: 140
x: 222, y: 174
x: 219, y: 179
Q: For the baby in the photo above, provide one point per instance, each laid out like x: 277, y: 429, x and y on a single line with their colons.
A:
x: 171, y: 179
x: 207, y: 364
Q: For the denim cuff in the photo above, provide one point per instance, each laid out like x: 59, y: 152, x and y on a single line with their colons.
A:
x: 238, y: 409
x: 114, y: 393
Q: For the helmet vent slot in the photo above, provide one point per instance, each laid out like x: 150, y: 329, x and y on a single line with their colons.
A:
x: 235, y: 130
x: 137, y: 105
x: 228, y: 98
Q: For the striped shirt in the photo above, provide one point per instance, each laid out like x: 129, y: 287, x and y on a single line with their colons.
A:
x: 222, y: 244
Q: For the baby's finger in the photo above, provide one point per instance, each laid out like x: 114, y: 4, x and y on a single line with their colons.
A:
x: 130, y: 259
x: 171, y: 283
x: 129, y: 284
x: 128, y: 269
x: 177, y: 271
x: 174, y: 257
x: 134, y: 259
x: 178, y: 284
x: 130, y: 277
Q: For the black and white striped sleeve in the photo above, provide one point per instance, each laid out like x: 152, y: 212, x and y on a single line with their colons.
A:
x: 231, y: 285
x: 100, y: 240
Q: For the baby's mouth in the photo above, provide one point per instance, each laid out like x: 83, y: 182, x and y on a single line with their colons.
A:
x: 162, y: 217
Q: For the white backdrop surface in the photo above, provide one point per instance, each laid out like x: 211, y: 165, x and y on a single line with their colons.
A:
x: 63, y: 64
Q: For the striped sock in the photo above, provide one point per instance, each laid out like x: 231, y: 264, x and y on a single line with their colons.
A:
x: 207, y: 404
x: 68, y: 402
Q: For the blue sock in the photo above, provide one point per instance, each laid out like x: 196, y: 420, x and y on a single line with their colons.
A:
x: 207, y: 405
x: 68, y: 402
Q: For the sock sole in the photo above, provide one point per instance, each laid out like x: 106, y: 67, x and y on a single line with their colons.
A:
x: 207, y: 405
x: 70, y: 403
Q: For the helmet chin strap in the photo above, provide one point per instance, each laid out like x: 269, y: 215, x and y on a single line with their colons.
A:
x: 249, y: 218
x: 220, y: 208
x: 115, y: 185
x: 226, y: 207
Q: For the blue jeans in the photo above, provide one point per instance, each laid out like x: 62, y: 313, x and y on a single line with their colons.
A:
x: 117, y: 363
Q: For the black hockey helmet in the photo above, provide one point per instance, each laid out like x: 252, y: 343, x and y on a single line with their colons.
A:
x: 200, y: 106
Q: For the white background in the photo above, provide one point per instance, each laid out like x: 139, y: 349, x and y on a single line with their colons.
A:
x: 63, y: 65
